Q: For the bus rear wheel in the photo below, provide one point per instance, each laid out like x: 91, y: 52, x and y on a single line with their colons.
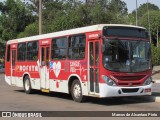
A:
x: 27, y: 85
x: 76, y: 91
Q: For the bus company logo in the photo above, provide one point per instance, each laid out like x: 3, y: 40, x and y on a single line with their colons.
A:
x: 17, y: 68
x: 130, y: 84
x: 31, y: 68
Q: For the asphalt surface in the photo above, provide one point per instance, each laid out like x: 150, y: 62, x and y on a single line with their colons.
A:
x: 14, y: 99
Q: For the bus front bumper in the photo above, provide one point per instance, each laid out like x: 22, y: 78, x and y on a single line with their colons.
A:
x: 115, y: 91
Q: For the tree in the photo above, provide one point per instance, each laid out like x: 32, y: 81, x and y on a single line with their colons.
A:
x: 30, y: 30
x: 154, y: 22
x: 15, y: 17
x: 13, y: 20
x: 118, y: 10
x: 118, y: 7
x: 141, y: 11
x: 66, y: 14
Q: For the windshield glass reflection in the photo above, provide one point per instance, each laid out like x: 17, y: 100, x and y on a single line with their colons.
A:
x: 126, y: 56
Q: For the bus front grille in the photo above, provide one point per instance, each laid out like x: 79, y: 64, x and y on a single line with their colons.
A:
x: 129, y: 78
x: 130, y: 90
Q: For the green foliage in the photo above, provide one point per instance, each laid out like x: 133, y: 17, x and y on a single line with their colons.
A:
x: 30, y: 30
x: 155, y: 55
x: 62, y: 15
x: 15, y: 17
x: 154, y: 21
x: 154, y: 18
x: 118, y: 6
x: 141, y: 11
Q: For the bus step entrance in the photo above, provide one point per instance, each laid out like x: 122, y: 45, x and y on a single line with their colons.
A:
x: 45, y: 90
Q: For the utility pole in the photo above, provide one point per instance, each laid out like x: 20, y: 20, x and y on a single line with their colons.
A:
x: 149, y: 26
x: 40, y: 17
x: 136, y: 13
x: 157, y: 37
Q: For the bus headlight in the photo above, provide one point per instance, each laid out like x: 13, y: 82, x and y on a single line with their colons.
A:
x: 108, y: 81
x: 147, y: 81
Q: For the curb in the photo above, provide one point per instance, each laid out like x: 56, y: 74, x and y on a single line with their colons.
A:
x: 148, y: 98
x: 156, y: 81
x: 157, y: 99
x: 154, y: 99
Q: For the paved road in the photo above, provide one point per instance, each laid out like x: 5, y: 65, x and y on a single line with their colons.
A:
x: 14, y: 99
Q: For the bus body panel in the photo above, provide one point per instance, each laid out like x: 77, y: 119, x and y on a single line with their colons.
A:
x: 55, y: 75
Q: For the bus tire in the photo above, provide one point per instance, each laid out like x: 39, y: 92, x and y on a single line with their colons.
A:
x: 76, y: 91
x: 27, y: 85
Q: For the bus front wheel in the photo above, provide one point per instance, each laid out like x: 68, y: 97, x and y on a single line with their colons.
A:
x: 27, y: 85
x: 76, y: 91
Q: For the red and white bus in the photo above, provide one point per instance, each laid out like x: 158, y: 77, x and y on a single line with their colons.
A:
x: 104, y: 60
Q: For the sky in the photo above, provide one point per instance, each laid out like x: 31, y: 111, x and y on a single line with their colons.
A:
x: 131, y: 4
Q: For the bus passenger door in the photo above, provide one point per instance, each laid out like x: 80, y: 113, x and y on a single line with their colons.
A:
x: 44, y: 66
x: 93, y: 67
x: 13, y: 68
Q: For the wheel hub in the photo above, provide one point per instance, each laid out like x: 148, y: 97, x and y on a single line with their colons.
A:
x: 27, y: 85
x: 77, y: 91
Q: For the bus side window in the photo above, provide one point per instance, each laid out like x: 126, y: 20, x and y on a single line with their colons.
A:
x: 59, y: 46
x: 32, y: 51
x: 76, y: 47
x: 21, y: 53
x: 8, y: 53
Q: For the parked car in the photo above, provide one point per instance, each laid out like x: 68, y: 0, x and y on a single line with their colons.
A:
x: 1, y: 68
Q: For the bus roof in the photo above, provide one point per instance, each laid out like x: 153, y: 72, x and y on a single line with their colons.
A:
x: 69, y: 32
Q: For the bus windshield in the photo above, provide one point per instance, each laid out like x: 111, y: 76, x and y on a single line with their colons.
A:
x: 126, y: 56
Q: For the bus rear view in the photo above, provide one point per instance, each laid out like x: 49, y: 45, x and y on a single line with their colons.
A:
x: 126, y: 61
